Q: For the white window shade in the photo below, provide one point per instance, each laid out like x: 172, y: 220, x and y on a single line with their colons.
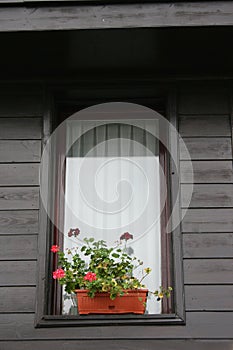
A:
x: 112, y: 186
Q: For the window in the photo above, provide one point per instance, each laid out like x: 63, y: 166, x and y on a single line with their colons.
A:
x: 110, y: 176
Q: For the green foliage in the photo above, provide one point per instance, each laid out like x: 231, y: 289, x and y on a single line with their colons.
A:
x: 99, y: 268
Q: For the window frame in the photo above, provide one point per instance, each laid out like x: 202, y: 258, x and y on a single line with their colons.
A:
x: 44, y: 318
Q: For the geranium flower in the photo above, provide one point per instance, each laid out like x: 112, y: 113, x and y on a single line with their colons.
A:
x: 74, y: 232
x: 90, y: 276
x: 55, y: 248
x: 59, y: 273
x: 126, y: 236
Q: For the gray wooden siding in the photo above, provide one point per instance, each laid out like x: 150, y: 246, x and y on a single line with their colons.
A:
x: 207, y: 235
x: 20, y: 150
x: 205, y: 126
x: 140, y: 344
x: 19, y: 174
x: 19, y: 198
x: 207, y: 171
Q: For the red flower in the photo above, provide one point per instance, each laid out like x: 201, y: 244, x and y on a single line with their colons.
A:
x: 59, y: 273
x: 126, y: 236
x: 90, y: 276
x: 55, y: 248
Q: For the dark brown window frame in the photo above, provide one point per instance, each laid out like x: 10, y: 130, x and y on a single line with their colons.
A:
x: 48, y: 313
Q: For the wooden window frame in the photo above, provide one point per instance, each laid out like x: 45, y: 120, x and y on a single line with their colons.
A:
x: 47, y: 312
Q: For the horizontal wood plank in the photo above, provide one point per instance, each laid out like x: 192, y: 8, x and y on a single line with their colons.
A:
x: 18, y: 247
x: 17, y: 299
x: 19, y: 198
x: 210, y: 195
x: 205, y: 271
x: 205, y: 171
x: 202, y: 325
x: 206, y: 148
x: 19, y: 174
x: 20, y: 151
x: 19, y: 102
x: 208, y: 220
x: 21, y: 273
x: 116, y: 16
x: 20, y: 128
x: 204, y: 100
x: 118, y: 344
x: 203, y: 125
x: 19, y: 222
x: 208, y: 245
x: 211, y: 298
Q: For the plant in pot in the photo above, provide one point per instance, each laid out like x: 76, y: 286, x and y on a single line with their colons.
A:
x: 103, y: 277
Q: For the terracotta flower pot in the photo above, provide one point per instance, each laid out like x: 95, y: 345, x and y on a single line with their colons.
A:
x: 133, y: 301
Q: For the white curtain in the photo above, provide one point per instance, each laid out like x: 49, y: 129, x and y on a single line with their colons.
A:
x: 112, y: 186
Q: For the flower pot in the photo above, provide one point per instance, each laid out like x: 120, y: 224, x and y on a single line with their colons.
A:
x: 133, y: 301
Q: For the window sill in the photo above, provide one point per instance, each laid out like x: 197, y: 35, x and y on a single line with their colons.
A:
x: 108, y: 320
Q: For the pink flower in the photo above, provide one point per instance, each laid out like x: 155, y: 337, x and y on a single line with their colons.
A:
x: 55, y: 248
x: 90, y: 276
x: 126, y: 236
x: 59, y: 273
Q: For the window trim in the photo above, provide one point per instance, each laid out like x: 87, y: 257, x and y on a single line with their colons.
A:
x: 42, y: 316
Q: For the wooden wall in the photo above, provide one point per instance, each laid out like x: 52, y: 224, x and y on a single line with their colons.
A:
x: 204, y: 123
x: 20, y: 151
x: 205, y: 126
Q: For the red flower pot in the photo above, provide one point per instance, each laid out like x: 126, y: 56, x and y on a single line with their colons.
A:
x: 133, y: 301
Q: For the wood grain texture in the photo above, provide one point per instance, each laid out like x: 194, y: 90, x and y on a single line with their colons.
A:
x: 208, y: 220
x: 20, y: 128
x: 205, y: 271
x: 17, y: 299
x: 205, y: 196
x: 209, y: 298
x: 208, y: 245
x: 19, y: 221
x: 202, y: 125
x: 18, y: 247
x: 213, y: 171
x: 18, y: 101
x: 19, y: 174
x: 19, y: 198
x: 20, y: 151
x: 116, y: 16
x: 207, y: 148
x: 201, y: 325
x: 21, y: 273
x: 200, y: 100
x: 114, y: 344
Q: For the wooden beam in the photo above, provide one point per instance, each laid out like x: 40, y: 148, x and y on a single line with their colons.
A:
x: 144, y: 15
x: 162, y: 344
x: 201, y: 325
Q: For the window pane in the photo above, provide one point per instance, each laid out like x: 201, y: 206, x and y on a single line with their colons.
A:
x: 113, y: 179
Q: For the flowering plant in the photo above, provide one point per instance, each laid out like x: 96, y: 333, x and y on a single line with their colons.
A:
x: 98, y: 268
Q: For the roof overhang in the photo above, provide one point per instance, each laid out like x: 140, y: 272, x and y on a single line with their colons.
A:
x: 73, y: 15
